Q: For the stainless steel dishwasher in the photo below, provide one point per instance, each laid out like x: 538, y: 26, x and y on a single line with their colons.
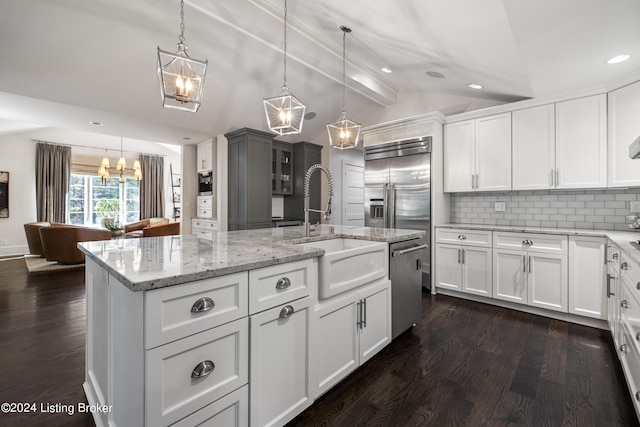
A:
x: 405, y: 272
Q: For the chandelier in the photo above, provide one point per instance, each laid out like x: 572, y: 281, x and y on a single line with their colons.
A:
x: 181, y: 77
x: 343, y: 133
x: 285, y: 112
x: 103, y: 170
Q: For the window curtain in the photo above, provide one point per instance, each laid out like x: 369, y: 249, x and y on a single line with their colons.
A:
x: 53, y: 172
x: 151, y: 186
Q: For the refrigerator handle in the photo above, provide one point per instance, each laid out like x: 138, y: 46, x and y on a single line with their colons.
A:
x: 385, y: 204
x: 392, y: 206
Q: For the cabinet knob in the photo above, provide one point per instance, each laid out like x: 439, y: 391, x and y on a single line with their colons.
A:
x: 527, y: 242
x: 202, y: 305
x: 624, y: 266
x: 286, y: 311
x: 623, y: 348
x: 283, y: 283
x: 638, y: 286
x: 203, y: 369
x: 624, y: 304
x: 462, y: 237
x: 614, y: 256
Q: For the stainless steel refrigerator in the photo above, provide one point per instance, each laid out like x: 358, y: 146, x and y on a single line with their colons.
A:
x: 397, y: 194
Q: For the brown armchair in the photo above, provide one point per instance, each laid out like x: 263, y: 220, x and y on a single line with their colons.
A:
x: 61, y: 243
x: 161, y: 229
x: 135, y: 228
x: 32, y: 231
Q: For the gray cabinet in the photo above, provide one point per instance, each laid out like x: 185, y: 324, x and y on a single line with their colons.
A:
x: 281, y: 168
x: 249, y: 179
x: 305, y: 154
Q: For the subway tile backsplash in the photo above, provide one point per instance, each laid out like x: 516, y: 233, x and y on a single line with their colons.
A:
x: 584, y: 209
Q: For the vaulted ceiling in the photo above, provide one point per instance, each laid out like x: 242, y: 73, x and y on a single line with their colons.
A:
x: 65, y: 63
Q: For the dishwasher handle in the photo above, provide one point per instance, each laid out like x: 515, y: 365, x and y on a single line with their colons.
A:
x: 406, y: 251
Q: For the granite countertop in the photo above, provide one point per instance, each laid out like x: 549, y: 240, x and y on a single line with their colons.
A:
x: 156, y: 262
x: 620, y: 238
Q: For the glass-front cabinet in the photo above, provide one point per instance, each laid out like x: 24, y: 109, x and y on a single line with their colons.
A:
x: 281, y: 168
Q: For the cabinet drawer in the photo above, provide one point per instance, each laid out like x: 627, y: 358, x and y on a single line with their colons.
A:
x: 229, y: 411
x: 549, y: 243
x: 204, y: 212
x: 630, y: 313
x: 278, y: 284
x: 172, y: 392
x: 204, y: 224
x: 172, y: 312
x: 630, y: 360
x: 630, y: 271
x: 205, y: 201
x: 465, y: 237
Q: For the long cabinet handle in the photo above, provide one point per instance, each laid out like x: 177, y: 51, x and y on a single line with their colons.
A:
x: 364, y: 321
x: 609, y: 286
x: 464, y: 256
x: 552, y: 180
x: 459, y: 257
x: 524, y: 264
x: 530, y: 267
x: 557, y: 177
x: 406, y: 251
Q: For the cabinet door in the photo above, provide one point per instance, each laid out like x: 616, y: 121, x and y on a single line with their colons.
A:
x: 449, y: 267
x: 509, y: 275
x: 282, y: 167
x: 375, y: 319
x: 581, y: 143
x: 204, y: 155
x: 587, y: 277
x: 493, y: 153
x: 477, y: 271
x: 624, y: 128
x: 336, y: 341
x: 533, y: 145
x: 459, y: 155
x: 279, y: 363
x: 547, y: 281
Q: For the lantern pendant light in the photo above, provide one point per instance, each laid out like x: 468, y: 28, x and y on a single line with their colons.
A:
x: 181, y: 77
x: 285, y: 113
x: 343, y: 133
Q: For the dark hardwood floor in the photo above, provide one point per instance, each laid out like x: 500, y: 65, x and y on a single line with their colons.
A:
x: 464, y: 364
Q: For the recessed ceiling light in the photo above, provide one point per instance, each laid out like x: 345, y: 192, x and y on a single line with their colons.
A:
x: 475, y: 86
x: 186, y: 138
x: 435, y: 74
x: 618, y: 59
x: 386, y: 70
x: 96, y: 123
x: 310, y: 115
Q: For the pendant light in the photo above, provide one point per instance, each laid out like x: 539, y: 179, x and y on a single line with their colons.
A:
x: 343, y: 133
x: 103, y: 170
x: 181, y: 77
x: 285, y: 113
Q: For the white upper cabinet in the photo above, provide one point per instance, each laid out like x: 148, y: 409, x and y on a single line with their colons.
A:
x: 581, y: 143
x: 624, y: 128
x: 533, y: 147
x: 204, y: 156
x: 477, y: 154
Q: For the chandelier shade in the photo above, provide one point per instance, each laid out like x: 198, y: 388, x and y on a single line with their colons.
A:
x: 344, y: 133
x: 121, y: 166
x: 285, y: 113
x: 181, y: 77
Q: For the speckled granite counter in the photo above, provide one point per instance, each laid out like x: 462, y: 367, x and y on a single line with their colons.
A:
x: 150, y: 263
x: 620, y: 238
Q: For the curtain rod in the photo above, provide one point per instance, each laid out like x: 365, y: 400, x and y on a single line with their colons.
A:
x: 95, y: 148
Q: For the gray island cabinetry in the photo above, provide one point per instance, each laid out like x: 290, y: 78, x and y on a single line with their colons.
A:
x: 187, y: 331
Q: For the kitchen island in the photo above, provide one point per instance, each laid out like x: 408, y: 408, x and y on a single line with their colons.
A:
x: 183, y: 330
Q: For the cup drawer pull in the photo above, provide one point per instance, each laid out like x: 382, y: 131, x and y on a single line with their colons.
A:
x: 286, y: 311
x: 203, y: 369
x: 283, y: 283
x: 202, y: 305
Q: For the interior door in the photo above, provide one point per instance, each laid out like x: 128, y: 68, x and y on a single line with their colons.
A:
x: 352, y: 194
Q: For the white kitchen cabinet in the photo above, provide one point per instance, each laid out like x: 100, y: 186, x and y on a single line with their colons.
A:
x: 206, y: 207
x: 464, y: 261
x: 533, y: 272
x: 204, y: 156
x: 624, y: 127
x: 350, y: 329
x: 230, y: 411
x: 581, y: 143
x: 533, y: 145
x: 280, y: 359
x: 587, y: 276
x: 477, y: 154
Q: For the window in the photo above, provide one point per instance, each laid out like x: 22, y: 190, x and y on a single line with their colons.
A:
x: 85, y: 192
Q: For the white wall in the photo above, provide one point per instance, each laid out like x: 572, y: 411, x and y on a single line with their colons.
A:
x: 19, y: 159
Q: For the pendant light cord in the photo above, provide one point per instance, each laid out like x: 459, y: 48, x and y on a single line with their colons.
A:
x: 344, y: 60
x: 285, y: 43
x: 181, y: 38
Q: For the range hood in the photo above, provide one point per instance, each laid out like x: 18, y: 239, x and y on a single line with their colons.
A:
x: 634, y: 149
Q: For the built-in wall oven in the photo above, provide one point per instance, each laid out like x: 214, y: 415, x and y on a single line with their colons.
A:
x: 205, y: 184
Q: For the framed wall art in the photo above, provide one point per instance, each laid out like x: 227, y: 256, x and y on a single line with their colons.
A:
x: 4, y: 194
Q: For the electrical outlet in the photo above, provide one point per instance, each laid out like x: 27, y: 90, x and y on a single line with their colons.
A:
x: 500, y: 206
x: 635, y: 207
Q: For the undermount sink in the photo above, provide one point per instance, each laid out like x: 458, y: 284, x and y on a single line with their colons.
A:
x: 348, y: 264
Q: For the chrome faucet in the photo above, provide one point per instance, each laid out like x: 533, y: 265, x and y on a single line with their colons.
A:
x: 326, y: 212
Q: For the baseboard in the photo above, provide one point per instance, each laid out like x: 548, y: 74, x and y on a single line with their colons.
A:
x: 6, y: 251
x: 567, y: 317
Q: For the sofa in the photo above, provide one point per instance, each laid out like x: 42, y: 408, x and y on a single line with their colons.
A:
x: 60, y: 243
x: 135, y: 228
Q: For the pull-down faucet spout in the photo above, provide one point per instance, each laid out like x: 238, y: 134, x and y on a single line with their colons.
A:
x: 327, y: 211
